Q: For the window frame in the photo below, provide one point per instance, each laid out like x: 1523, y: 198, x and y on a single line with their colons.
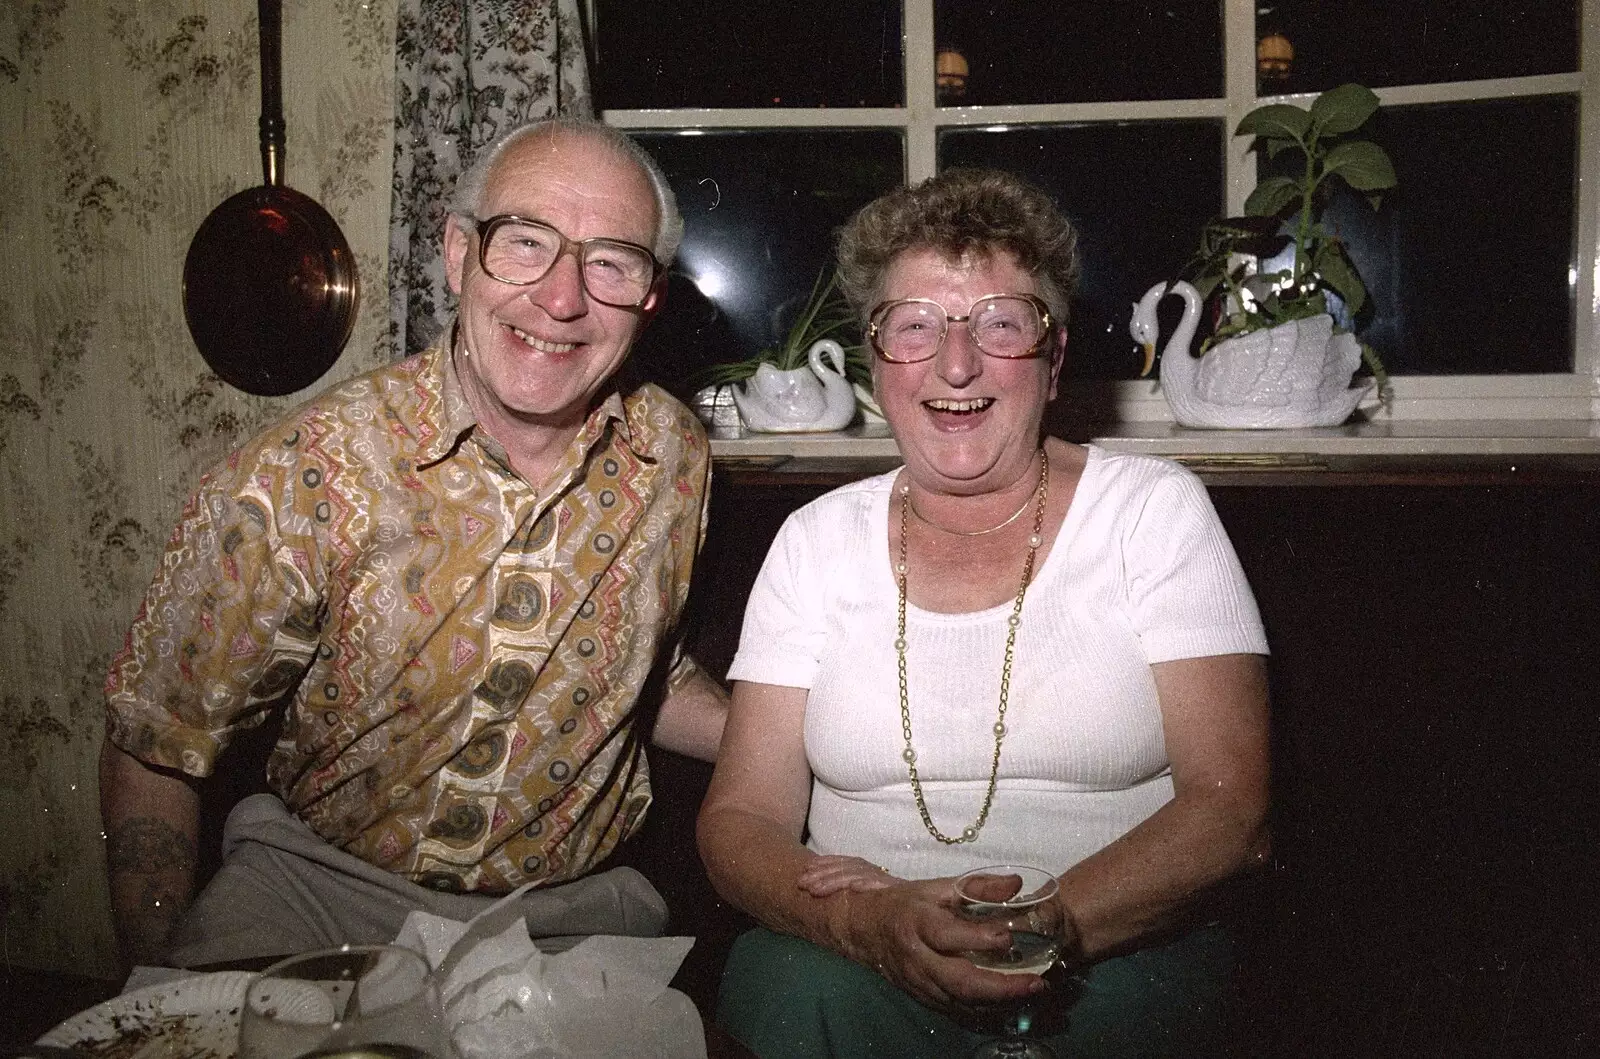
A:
x: 1574, y: 396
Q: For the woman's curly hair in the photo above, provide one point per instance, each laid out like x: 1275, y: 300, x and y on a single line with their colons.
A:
x: 961, y: 211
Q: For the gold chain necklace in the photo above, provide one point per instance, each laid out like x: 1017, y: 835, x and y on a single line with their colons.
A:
x: 971, y: 533
x: 970, y: 833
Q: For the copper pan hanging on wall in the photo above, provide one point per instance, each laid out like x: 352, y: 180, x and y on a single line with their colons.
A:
x: 269, y: 285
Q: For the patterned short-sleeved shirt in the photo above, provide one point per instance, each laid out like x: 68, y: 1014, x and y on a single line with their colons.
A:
x: 464, y: 654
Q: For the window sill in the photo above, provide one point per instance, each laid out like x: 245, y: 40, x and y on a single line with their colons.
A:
x: 1418, y: 451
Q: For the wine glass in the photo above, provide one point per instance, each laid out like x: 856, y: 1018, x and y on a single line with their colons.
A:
x: 1035, y: 919
x: 355, y: 1002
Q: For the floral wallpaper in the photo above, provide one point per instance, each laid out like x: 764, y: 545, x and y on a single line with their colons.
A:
x: 123, y: 123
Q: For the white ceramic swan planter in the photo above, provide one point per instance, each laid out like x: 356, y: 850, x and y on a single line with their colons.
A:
x: 818, y: 397
x: 1294, y: 375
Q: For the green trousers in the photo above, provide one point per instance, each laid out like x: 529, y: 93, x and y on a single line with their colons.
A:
x: 785, y: 998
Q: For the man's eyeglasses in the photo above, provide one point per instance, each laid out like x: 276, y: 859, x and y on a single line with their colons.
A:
x: 519, y: 251
x: 1008, y: 326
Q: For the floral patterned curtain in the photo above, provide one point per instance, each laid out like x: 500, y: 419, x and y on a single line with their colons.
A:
x: 464, y: 71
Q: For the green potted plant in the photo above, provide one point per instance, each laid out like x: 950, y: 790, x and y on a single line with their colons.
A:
x: 789, y: 386
x: 1263, y: 318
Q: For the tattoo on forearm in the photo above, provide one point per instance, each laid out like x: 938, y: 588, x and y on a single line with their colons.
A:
x: 151, y: 865
x: 144, y: 845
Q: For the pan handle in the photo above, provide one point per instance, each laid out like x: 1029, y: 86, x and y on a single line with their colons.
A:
x: 270, y: 15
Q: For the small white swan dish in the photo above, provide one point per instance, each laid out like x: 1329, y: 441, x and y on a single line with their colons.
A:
x: 812, y: 398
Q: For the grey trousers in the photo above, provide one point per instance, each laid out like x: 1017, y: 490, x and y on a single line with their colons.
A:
x: 282, y: 889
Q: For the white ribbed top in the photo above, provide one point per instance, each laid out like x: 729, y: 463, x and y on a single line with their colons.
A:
x: 1141, y: 572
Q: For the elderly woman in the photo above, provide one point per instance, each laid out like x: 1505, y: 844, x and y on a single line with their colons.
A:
x: 1012, y: 650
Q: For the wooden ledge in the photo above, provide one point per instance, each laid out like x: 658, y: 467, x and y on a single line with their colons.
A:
x: 1436, y: 452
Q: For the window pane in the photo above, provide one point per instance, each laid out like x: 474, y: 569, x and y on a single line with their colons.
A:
x: 1049, y: 51
x: 1470, y: 261
x: 734, y: 53
x: 1422, y: 42
x: 760, y: 209
x: 1138, y: 192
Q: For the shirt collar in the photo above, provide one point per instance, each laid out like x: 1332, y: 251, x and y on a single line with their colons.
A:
x: 450, y: 418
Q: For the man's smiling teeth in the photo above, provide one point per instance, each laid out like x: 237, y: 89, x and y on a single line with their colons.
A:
x: 976, y: 404
x: 543, y: 346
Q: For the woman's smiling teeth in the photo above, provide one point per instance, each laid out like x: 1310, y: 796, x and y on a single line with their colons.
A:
x: 975, y: 404
x: 541, y: 345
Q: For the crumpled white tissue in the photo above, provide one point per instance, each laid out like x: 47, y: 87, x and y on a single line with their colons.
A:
x: 605, y: 997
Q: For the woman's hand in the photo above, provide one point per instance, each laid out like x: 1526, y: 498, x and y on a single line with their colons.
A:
x: 910, y: 933
x: 831, y: 874
x: 749, y: 830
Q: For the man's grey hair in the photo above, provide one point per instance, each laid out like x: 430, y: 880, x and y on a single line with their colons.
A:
x: 468, y: 196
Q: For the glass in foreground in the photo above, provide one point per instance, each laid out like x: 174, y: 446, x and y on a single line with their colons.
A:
x: 1036, y: 921
x: 353, y: 1002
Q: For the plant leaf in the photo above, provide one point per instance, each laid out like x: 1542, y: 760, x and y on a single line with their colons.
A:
x: 1240, y: 235
x: 1272, y: 196
x: 1239, y: 273
x: 1343, y: 109
x: 825, y: 314
x: 1277, y: 147
x: 1262, y: 286
x: 723, y: 374
x: 1362, y: 164
x: 1244, y: 226
x: 1337, y: 271
x: 1380, y: 375
x: 1263, y: 246
x: 1275, y: 121
x: 821, y: 289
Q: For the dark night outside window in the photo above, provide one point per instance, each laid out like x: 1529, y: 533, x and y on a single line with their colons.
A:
x: 1471, y: 263
x: 1138, y: 193
x: 1382, y: 44
x: 760, y: 210
x: 1467, y: 263
x: 1046, y: 51
x: 738, y: 53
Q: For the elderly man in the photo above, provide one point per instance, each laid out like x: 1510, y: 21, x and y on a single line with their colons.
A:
x: 463, y: 574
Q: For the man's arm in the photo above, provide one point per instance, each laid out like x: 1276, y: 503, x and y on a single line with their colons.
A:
x: 691, y: 717
x: 152, y: 824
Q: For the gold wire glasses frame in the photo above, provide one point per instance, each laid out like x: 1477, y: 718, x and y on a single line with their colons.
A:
x: 900, y: 333
x: 520, y: 252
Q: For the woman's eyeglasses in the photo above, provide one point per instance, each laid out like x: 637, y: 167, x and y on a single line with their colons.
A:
x: 1008, y: 326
